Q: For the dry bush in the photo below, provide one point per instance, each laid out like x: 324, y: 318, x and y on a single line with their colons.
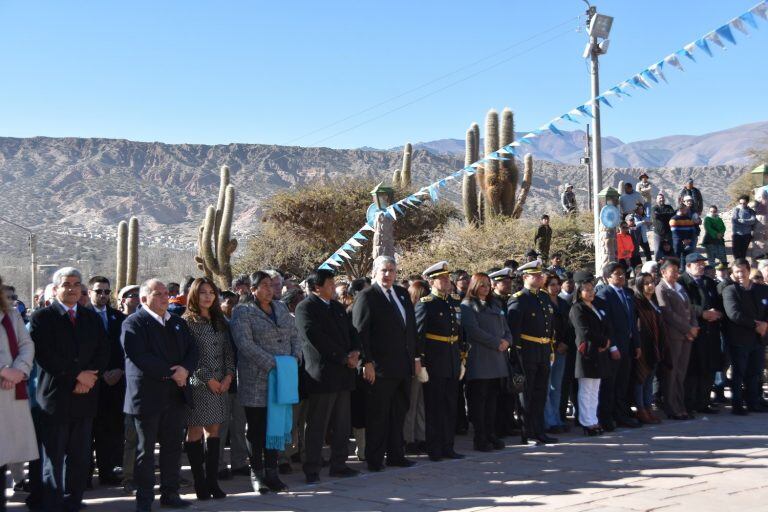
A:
x: 302, y: 227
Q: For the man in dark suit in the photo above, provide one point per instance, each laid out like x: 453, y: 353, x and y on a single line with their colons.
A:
x: 619, y: 307
x: 108, y: 430
x: 706, y: 356
x: 160, y: 353
x: 386, y: 324
x: 746, y: 310
x: 71, y: 351
x: 331, y: 351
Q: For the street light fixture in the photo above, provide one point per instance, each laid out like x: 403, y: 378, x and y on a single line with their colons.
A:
x: 32, y: 253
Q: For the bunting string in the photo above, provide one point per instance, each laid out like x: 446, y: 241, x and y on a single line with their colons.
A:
x: 646, y: 79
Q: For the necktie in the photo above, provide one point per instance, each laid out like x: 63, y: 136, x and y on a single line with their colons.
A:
x: 103, y: 314
x: 393, y: 300
x: 72, y: 317
x: 624, y: 301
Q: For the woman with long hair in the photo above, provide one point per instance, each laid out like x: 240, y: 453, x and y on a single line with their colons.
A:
x: 651, y: 334
x: 415, y: 423
x: 486, y: 330
x: 210, y: 385
x: 563, y: 336
x: 593, y: 342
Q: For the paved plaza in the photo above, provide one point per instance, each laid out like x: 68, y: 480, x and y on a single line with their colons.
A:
x: 713, y: 463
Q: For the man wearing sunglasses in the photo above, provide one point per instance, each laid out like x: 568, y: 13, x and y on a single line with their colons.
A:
x: 108, y: 425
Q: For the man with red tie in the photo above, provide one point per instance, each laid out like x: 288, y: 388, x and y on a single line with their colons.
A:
x: 71, y: 351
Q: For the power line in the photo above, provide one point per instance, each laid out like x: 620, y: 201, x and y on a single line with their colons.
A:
x: 448, y: 86
x: 434, y: 80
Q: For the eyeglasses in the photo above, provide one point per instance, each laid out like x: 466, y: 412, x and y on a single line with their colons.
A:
x: 102, y: 292
x: 131, y: 296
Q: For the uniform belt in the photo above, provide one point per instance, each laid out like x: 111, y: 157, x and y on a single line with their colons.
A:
x: 446, y: 339
x: 536, y: 339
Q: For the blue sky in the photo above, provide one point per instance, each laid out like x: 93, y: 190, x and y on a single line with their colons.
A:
x: 279, y: 72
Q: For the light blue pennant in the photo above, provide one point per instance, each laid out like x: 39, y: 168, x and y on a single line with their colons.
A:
x: 554, y: 129
x: 349, y: 247
x: 433, y: 193
x: 749, y: 18
x: 337, y: 258
x: 649, y: 76
x: 725, y: 33
x: 703, y: 45
x: 638, y: 81
x: 359, y: 236
x: 603, y: 99
x: 683, y: 52
x: 325, y: 266
x: 584, y: 110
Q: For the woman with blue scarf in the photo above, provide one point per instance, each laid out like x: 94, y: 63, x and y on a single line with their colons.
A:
x: 268, y: 349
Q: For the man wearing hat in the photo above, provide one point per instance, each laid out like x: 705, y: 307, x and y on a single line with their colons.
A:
x: 531, y: 323
x: 502, y: 284
x: 437, y: 324
x: 530, y: 256
x: 695, y: 194
x: 568, y: 200
x: 645, y: 189
x: 706, y: 355
x: 128, y: 299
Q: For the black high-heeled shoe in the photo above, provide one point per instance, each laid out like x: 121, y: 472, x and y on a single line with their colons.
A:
x: 591, y: 431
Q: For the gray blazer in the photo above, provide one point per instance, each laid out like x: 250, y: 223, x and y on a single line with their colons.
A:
x: 677, y: 314
x: 258, y: 340
x: 484, y: 327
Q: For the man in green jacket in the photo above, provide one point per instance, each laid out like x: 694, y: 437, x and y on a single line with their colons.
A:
x: 714, y: 236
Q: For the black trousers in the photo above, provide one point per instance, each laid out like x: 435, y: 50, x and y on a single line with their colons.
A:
x: 570, y: 384
x: 256, y: 419
x: 482, y: 395
x: 108, y: 439
x: 66, y: 456
x: 324, y: 411
x: 621, y: 401
x: 698, y: 387
x: 536, y: 389
x: 440, y: 414
x: 462, y: 421
x: 167, y: 428
x: 386, y: 401
x: 740, y: 245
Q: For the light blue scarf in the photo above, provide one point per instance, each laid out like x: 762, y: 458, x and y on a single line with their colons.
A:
x: 282, y: 393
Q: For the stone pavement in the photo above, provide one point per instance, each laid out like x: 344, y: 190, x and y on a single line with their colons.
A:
x: 713, y: 463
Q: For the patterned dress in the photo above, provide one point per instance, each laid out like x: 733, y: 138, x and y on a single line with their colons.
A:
x: 217, y: 359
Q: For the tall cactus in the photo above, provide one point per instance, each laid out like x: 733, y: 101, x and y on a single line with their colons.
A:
x: 122, y: 255
x: 215, y: 247
x: 396, y: 178
x: 469, y: 185
x: 509, y: 172
x: 494, y: 187
x: 405, y: 174
x: 479, y: 175
x: 132, y: 269
x: 525, y: 186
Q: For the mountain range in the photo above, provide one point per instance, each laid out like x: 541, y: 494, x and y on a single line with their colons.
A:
x: 725, y: 147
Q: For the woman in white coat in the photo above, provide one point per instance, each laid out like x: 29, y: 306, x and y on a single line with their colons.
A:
x: 17, y: 353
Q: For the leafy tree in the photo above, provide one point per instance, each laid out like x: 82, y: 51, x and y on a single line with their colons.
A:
x: 302, y: 227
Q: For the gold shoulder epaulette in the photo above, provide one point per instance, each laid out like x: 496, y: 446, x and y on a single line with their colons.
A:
x: 427, y: 298
x: 456, y: 296
x: 518, y: 294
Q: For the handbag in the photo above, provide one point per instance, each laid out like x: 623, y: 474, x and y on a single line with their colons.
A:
x: 515, y: 381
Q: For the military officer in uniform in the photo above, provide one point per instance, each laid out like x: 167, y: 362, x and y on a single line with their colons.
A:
x: 502, y: 284
x: 437, y: 323
x: 530, y: 320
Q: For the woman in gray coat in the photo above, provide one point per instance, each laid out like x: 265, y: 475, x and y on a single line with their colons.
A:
x: 261, y: 330
x: 487, y: 332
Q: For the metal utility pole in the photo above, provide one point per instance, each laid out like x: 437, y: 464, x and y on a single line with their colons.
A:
x: 598, y: 27
x: 33, y: 258
x: 586, y: 160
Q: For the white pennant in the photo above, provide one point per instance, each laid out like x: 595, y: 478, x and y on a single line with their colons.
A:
x: 712, y: 36
x: 354, y: 243
x: 342, y: 252
x: 739, y: 25
x: 673, y: 61
x: 657, y: 71
x: 689, y: 47
x: 761, y: 10
x: 333, y: 262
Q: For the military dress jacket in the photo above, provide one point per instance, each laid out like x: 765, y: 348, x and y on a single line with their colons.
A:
x: 438, y: 324
x: 531, y: 322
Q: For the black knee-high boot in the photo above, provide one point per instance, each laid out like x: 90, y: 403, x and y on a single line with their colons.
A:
x: 196, y: 455
x: 212, y: 467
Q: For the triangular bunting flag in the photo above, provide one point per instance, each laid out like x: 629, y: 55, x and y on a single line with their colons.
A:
x: 348, y: 247
x: 656, y: 70
x: 749, y: 19
x: 672, y: 60
x: 325, y: 266
x: 366, y: 228
x: 685, y: 53
x: 713, y: 37
x: 336, y: 258
x: 354, y: 243
x: 554, y: 130
x: 702, y: 43
x: 647, y: 75
x: 725, y: 33
x: 604, y: 100
x: 583, y: 109
x: 761, y: 10
x: 359, y: 236
x: 344, y: 253
x: 739, y: 25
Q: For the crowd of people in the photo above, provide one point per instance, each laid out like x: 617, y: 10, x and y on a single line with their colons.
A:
x: 277, y: 367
